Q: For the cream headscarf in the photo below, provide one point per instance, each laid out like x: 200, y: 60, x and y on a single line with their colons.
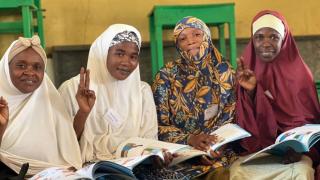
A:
x: 118, y: 113
x: 270, y: 21
x: 39, y: 130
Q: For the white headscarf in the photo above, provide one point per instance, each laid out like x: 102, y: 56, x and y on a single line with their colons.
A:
x: 39, y: 130
x: 123, y: 109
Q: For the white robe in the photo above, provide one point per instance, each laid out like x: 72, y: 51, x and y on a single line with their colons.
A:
x: 39, y: 131
x: 123, y: 108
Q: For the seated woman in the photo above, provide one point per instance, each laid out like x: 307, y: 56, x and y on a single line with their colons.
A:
x: 35, y: 128
x: 194, y: 94
x: 124, y: 107
x: 276, y: 93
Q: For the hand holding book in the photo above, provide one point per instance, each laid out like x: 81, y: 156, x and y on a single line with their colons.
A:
x: 299, y: 139
x: 215, y: 143
x: 202, y: 142
x: 167, y: 159
x: 139, y: 151
x: 291, y: 156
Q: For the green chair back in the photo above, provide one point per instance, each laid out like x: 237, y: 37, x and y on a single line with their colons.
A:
x: 31, y: 20
x: 165, y: 17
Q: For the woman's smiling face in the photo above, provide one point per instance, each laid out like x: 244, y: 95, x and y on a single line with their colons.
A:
x: 189, y: 40
x: 267, y: 44
x: 27, y: 70
x: 122, y: 59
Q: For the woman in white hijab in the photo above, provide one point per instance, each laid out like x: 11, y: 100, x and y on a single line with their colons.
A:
x: 124, y: 108
x: 35, y: 128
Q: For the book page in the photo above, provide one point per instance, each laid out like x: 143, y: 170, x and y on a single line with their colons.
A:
x: 280, y: 149
x: 186, y: 153
x: 228, y: 133
x: 300, y: 139
x: 136, y: 146
x: 58, y: 173
x: 131, y: 162
x: 86, y: 171
x: 302, y: 134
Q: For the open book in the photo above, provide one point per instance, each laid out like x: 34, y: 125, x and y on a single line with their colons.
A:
x: 228, y: 133
x: 136, y: 151
x: 300, y: 139
x: 129, y: 154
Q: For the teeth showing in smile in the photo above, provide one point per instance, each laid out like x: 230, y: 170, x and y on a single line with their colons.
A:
x: 124, y: 71
x: 29, y: 82
x: 266, y: 53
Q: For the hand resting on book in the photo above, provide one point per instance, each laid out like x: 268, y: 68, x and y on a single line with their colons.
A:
x: 168, y: 157
x: 291, y: 156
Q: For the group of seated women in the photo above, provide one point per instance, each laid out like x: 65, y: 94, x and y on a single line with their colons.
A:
x: 271, y: 91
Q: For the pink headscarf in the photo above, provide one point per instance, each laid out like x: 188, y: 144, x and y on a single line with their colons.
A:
x: 292, y: 98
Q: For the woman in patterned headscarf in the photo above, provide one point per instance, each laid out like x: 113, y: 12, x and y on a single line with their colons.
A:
x: 124, y: 107
x: 194, y: 94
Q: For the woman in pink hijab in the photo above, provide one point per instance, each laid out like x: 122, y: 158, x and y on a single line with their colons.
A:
x: 275, y: 93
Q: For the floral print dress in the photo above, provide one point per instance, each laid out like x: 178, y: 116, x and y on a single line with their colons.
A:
x: 195, y: 95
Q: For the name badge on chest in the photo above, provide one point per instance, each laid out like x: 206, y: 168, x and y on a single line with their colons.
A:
x: 114, y: 118
x: 211, y: 111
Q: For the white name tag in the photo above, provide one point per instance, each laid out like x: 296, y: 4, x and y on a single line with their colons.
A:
x: 113, y: 118
x: 211, y: 111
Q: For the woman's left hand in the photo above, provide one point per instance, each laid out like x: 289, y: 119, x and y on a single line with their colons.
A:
x: 218, y: 153
x: 291, y: 156
x: 85, y: 97
x: 168, y: 157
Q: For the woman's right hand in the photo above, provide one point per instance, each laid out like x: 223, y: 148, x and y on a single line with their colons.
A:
x: 245, y: 76
x: 4, y: 113
x: 202, y: 141
x: 291, y: 156
x: 85, y: 97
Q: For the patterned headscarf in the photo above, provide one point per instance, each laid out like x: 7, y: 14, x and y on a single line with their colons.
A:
x: 128, y: 36
x: 192, y: 22
x: 197, y: 84
x: 194, y: 94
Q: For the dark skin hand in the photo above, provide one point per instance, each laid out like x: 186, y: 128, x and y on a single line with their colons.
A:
x: 203, y: 142
x: 168, y: 157
x: 86, y: 99
x: 245, y: 77
x: 4, y: 116
x: 291, y: 156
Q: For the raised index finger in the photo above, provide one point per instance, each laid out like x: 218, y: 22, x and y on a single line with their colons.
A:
x: 3, y: 102
x: 240, y: 64
x: 87, y: 81
x: 82, y: 83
